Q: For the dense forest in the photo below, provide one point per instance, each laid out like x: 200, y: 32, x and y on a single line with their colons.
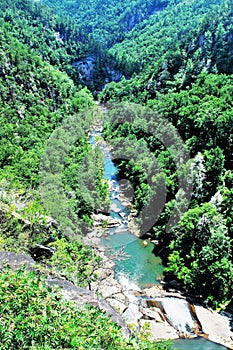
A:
x: 175, y: 58
x: 164, y: 66
x: 42, y: 100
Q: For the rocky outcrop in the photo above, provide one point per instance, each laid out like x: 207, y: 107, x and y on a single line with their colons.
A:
x: 15, y: 261
x: 80, y: 296
x: 105, y: 220
x: 216, y: 326
x: 86, y: 68
x: 88, y: 71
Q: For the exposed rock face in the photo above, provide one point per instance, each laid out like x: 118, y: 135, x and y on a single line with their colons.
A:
x: 132, y: 314
x: 88, y: 71
x: 82, y: 296
x: 215, y: 325
x: 86, y: 68
x: 152, y: 313
x: 124, y: 296
x: 159, y: 331
x: 113, y: 75
x: 15, y: 261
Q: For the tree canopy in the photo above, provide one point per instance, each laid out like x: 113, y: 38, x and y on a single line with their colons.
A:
x: 164, y: 69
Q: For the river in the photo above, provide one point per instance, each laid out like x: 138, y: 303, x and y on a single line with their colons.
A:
x: 139, y: 265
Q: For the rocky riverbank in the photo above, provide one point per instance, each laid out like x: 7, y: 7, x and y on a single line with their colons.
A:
x: 124, y: 296
x: 128, y: 305
x: 140, y: 313
x: 140, y: 308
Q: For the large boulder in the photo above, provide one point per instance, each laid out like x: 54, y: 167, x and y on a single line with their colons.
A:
x: 82, y: 296
x: 215, y: 325
x: 132, y: 315
x: 159, y: 330
x: 15, y: 261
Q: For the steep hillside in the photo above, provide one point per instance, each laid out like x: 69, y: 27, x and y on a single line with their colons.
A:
x: 108, y: 21
x: 56, y: 39
x: 60, y: 41
x: 169, y: 50
x: 45, y: 119
x: 36, y: 99
x: 159, y: 45
x: 174, y: 58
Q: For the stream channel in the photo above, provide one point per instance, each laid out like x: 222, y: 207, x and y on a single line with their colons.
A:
x: 139, y: 265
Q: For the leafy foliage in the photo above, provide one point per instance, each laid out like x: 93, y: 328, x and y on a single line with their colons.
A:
x: 174, y: 57
x: 37, y: 317
x: 108, y: 21
x: 202, y: 254
x: 78, y: 263
x: 169, y: 50
x: 36, y: 99
x: 197, y: 243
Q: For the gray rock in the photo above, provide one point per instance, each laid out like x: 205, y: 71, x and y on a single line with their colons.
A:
x: 15, y: 261
x: 107, y: 220
x: 151, y: 314
x: 115, y: 316
x: 81, y: 296
x: 132, y: 315
x: 104, y: 274
x: 110, y: 290
x: 215, y: 325
x: 118, y: 305
x: 120, y: 297
x: 132, y: 299
x: 159, y: 331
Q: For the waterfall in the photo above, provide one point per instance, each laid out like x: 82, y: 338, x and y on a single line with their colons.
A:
x: 127, y: 284
x: 145, y: 269
x: 180, y: 315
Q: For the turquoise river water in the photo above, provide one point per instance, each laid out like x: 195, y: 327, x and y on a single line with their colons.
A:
x: 136, y: 262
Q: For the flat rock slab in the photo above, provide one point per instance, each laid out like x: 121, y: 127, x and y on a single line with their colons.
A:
x: 120, y: 297
x: 132, y: 315
x: 215, y: 325
x: 159, y: 330
x: 118, y: 305
x: 155, y: 291
x: 110, y: 290
x: 152, y: 314
x: 82, y: 296
x: 15, y: 261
